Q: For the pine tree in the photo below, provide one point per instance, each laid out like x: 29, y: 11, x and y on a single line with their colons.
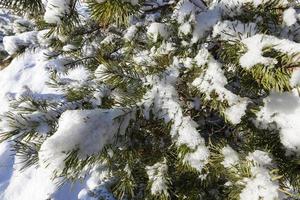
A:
x: 176, y: 103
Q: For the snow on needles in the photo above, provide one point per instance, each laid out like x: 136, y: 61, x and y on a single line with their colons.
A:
x: 231, y: 157
x: 214, y: 80
x: 56, y: 10
x: 12, y: 44
x: 260, y: 184
x: 290, y: 16
x: 258, y: 42
x: 284, y: 109
x: 163, y: 100
x: 87, y: 131
x: 157, y: 176
x: 156, y: 30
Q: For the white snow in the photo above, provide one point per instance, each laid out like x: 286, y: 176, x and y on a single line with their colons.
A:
x: 284, y: 110
x: 36, y: 184
x: 156, y: 30
x: 197, y: 159
x: 21, y: 74
x: 290, y: 16
x: 255, y: 45
x: 163, y: 100
x: 205, y: 21
x: 185, y: 28
x: 260, y: 185
x: 295, y: 79
x: 202, y: 57
x: 234, y: 30
x: 12, y: 44
x: 231, y: 157
x: 157, y: 177
x: 19, y: 77
x: 6, y: 166
x: 100, y: 176
x: 214, y: 80
x: 184, y: 8
x: 56, y: 10
x: 130, y: 33
x: 79, y: 76
x: 87, y: 131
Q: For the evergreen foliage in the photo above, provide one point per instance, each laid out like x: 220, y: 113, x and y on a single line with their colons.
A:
x: 166, y: 93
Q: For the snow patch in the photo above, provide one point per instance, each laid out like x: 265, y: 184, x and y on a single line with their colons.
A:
x: 87, y: 131
x: 284, y: 110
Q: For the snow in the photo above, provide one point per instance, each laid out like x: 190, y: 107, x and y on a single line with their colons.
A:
x: 156, y: 30
x: 255, y: 45
x: 79, y: 76
x: 290, y: 16
x: 197, y: 159
x: 184, y: 9
x: 56, y: 10
x: 295, y: 78
x: 19, y: 77
x: 195, y: 18
x: 260, y: 185
x: 205, y: 21
x: 162, y: 100
x: 231, y: 157
x: 157, y: 177
x: 234, y: 30
x: 87, y: 131
x: 131, y: 31
x: 12, y: 44
x: 21, y: 74
x: 248, y: 35
x: 6, y: 166
x: 24, y: 184
x: 185, y: 28
x: 202, y: 57
x: 214, y: 80
x: 284, y: 109
x: 29, y: 72
x: 100, y: 177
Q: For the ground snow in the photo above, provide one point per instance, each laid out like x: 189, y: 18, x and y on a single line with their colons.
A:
x: 19, y: 77
x: 23, y: 185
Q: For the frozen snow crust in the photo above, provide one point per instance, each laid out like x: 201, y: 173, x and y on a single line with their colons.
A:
x: 213, y: 79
